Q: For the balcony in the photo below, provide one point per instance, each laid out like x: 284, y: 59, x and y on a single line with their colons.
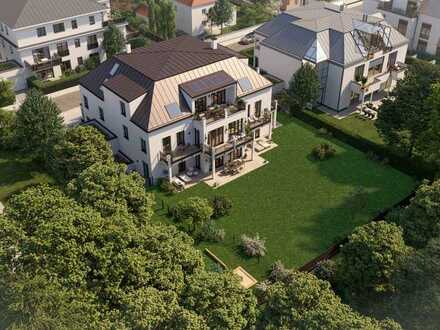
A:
x: 234, y: 142
x: 115, y: 21
x: 180, y: 153
x: 46, y: 63
x: 63, y: 52
x: 218, y: 112
x: 261, y: 121
x: 398, y: 71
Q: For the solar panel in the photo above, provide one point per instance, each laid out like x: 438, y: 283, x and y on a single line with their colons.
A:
x: 245, y: 84
x: 173, y: 110
x: 114, y: 69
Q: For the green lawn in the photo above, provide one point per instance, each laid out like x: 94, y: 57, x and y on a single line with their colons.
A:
x: 354, y: 123
x: 300, y: 206
x: 18, y: 172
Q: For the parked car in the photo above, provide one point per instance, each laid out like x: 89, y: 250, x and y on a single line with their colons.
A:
x: 248, y: 39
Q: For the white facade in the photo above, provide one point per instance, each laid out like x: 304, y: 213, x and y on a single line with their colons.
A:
x: 197, y: 147
x: 51, y: 48
x: 193, y: 19
x: 418, y: 20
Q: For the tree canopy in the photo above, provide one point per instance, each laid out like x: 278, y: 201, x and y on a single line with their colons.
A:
x: 81, y: 147
x: 303, y: 88
x: 39, y: 125
x: 7, y: 95
x: 113, y: 41
x: 221, y: 13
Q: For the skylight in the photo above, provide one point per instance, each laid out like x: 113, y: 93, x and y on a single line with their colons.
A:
x: 114, y: 69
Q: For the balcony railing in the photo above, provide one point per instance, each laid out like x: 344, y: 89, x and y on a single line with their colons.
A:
x: 235, y: 142
x: 115, y: 21
x: 180, y: 153
x: 218, y: 112
x: 92, y: 46
x: 46, y: 64
x: 261, y: 121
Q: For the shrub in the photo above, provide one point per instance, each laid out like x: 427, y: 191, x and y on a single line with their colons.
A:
x: 211, y: 233
x: 192, y: 213
x: 253, y: 246
x: 221, y: 206
x: 52, y: 86
x: 325, y: 270
x: 323, y: 151
x: 91, y: 63
x: 278, y: 272
x: 7, y: 95
x: 7, y: 130
x: 167, y: 187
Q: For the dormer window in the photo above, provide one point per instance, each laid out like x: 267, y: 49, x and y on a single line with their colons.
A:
x: 92, y: 20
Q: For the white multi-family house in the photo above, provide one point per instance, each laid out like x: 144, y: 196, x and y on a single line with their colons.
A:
x: 48, y: 37
x: 356, y: 56
x: 192, y: 16
x: 179, y: 106
x: 418, y: 20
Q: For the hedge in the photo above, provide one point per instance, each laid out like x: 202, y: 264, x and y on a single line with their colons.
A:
x: 52, y: 86
x: 416, y: 167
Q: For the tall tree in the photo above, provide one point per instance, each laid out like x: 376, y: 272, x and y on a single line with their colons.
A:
x: 81, y: 147
x: 303, y: 88
x: 114, y: 41
x: 7, y: 95
x: 110, y: 190
x: 221, y: 13
x: 301, y: 301
x: 369, y: 258
x: 39, y: 125
x: 406, y: 115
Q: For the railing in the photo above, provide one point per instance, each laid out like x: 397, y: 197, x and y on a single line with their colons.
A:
x: 261, y: 121
x: 120, y: 20
x: 228, y: 146
x: 50, y: 63
x: 218, y: 112
x: 92, y: 46
x: 180, y: 153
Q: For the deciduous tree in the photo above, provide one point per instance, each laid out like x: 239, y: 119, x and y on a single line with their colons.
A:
x: 113, y: 41
x: 221, y: 13
x: 303, y: 88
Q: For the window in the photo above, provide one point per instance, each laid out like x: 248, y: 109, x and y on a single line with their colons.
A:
x: 123, y: 111
x: 146, y: 171
x: 57, y: 28
x: 74, y: 24
x: 80, y: 60
x: 143, y: 146
x: 11, y: 50
x: 86, y: 102
x: 180, y: 138
x: 101, y: 113
x: 421, y: 46
x: 41, y: 31
x: 66, y: 66
x: 236, y: 127
x: 182, y: 167
x: 204, y: 11
x: 402, y: 27
x: 92, y: 42
x: 359, y: 72
x: 166, y: 144
x: 425, y: 31
x: 219, y: 97
x: 77, y: 43
x: 125, y: 131
x: 257, y: 133
x: 62, y: 49
x: 6, y: 30
x: 392, y: 59
x: 200, y: 104
x: 375, y: 66
x: 216, y: 137
x: 258, y: 109
x: 92, y: 20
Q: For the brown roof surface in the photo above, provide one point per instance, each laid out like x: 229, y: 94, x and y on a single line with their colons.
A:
x: 124, y: 87
x: 208, y: 83
x: 196, y: 3
x: 160, y: 69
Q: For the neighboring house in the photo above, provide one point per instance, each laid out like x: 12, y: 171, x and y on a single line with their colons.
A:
x: 48, y: 37
x: 418, y: 20
x: 178, y: 105
x: 192, y: 16
x: 345, y: 46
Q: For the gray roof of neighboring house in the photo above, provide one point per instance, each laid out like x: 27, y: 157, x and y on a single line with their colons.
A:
x: 317, y: 32
x: 21, y: 13
x: 158, y: 71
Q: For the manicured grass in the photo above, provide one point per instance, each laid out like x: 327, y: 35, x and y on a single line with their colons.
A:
x: 354, y: 123
x: 17, y: 172
x: 300, y: 206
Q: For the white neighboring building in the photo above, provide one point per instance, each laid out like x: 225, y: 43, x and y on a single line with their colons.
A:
x: 48, y: 37
x: 418, y: 20
x: 192, y: 16
x: 345, y: 46
x: 179, y: 105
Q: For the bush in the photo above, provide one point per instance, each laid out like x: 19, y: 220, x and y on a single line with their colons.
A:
x: 278, y: 272
x: 325, y: 270
x: 7, y: 130
x: 7, y: 95
x: 51, y: 86
x: 192, y: 213
x: 323, y: 151
x: 253, y: 246
x: 138, y: 42
x: 221, y: 206
x: 211, y: 233
x: 167, y: 187
x: 91, y: 63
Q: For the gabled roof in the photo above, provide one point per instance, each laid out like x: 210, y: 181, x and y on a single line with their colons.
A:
x: 160, y: 70
x: 21, y: 13
x: 317, y: 33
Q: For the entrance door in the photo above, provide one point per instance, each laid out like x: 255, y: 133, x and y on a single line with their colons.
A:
x: 182, y: 167
x: 197, y: 160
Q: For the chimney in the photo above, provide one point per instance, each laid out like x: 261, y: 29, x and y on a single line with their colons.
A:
x: 128, y: 48
x: 214, y: 43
